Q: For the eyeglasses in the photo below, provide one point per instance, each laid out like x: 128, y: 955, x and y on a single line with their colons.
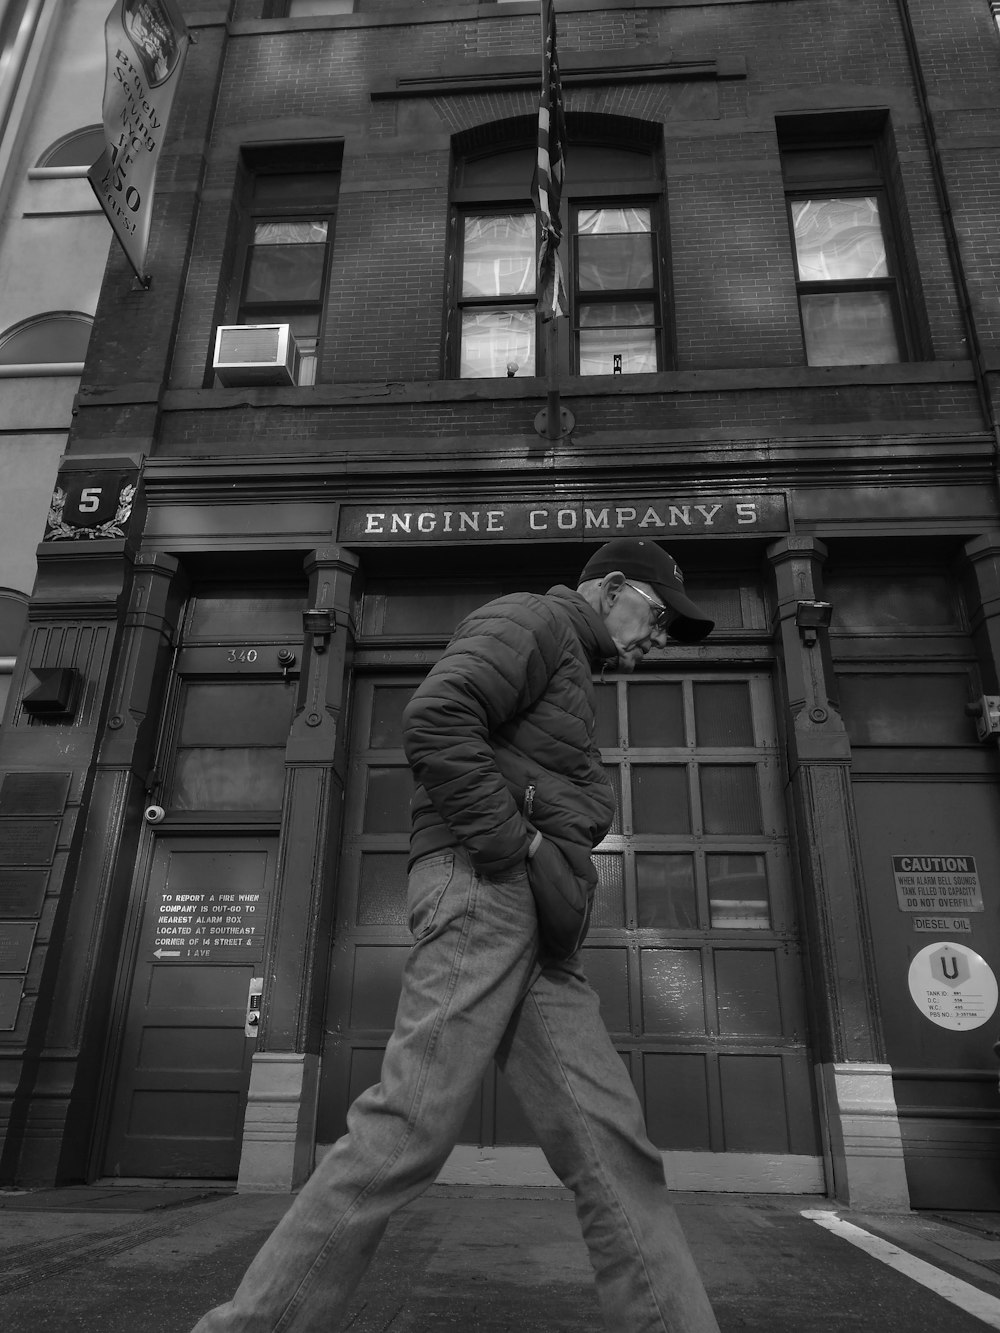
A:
x: 663, y: 615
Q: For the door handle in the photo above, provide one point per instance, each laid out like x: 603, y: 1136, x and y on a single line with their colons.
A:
x: 254, y: 995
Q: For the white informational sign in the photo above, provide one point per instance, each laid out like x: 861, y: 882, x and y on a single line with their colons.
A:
x: 942, y: 925
x: 953, y: 986
x: 146, y: 42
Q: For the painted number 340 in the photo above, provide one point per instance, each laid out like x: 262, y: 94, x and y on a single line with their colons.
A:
x: 242, y: 655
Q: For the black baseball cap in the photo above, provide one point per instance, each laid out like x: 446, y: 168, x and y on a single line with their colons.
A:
x: 648, y: 562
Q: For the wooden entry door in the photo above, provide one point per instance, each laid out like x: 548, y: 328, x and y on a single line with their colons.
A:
x: 694, y: 947
x: 185, y: 1060
x: 202, y: 905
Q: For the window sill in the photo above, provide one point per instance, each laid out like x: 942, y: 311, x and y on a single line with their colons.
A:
x: 770, y: 377
x: 59, y: 192
x: 573, y: 386
x: 76, y: 172
x: 38, y: 369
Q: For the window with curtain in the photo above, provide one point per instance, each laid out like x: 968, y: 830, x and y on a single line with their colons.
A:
x: 611, y: 255
x: 287, y: 234
x: 616, y: 307
x: 846, y: 257
x: 497, y: 300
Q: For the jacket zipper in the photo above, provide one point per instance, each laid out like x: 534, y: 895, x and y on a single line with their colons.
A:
x: 529, y: 798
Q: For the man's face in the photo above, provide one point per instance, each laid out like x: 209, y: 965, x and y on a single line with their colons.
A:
x: 630, y: 619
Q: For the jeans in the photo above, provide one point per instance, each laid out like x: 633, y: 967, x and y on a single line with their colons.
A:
x: 474, y: 987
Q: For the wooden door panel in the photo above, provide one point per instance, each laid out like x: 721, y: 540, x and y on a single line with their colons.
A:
x: 185, y: 1062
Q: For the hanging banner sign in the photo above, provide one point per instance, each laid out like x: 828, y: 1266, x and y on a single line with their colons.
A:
x: 953, y: 986
x: 937, y: 883
x: 146, y: 41
x: 600, y: 519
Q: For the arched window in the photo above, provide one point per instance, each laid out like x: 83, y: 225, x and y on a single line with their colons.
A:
x: 79, y: 148
x: 611, y: 251
x: 57, y: 337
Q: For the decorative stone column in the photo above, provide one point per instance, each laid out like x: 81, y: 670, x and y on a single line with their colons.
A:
x: 81, y: 1010
x: 982, y: 578
x: 864, y: 1146
x: 80, y: 618
x: 279, y: 1129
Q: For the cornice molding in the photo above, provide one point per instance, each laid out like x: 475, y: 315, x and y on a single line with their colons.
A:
x: 647, y: 64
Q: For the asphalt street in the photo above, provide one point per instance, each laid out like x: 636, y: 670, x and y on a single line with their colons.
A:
x: 152, y: 1259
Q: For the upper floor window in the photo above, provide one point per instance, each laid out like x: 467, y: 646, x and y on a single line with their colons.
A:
x: 308, y: 8
x: 846, y: 248
x: 611, y: 253
x: 296, y: 9
x: 81, y: 149
x: 616, y: 296
x: 285, y: 241
x: 59, y: 338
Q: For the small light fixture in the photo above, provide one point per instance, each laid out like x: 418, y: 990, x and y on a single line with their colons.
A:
x: 319, y: 622
x: 512, y: 369
x: 56, y: 693
x: 810, y: 617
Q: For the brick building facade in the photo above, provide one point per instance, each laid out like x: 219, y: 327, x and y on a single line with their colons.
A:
x: 780, y: 359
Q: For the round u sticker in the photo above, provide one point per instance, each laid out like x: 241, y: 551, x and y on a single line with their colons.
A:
x: 953, y: 986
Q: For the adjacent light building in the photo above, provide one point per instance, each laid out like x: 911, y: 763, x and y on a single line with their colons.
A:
x: 319, y: 437
x: 53, y: 250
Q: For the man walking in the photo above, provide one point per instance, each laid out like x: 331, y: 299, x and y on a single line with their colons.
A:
x: 511, y: 799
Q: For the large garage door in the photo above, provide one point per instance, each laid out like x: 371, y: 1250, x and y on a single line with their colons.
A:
x: 694, y: 948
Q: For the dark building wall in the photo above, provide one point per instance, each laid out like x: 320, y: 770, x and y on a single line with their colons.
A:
x: 231, y: 475
x: 730, y: 262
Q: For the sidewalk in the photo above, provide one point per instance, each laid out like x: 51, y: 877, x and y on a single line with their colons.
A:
x: 152, y: 1260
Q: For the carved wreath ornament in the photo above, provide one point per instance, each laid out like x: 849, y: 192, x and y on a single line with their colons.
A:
x: 59, y: 530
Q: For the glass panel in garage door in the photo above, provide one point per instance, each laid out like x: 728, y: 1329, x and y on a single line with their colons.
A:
x: 701, y: 934
x: 371, y: 934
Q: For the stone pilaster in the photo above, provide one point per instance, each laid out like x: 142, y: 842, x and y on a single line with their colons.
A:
x: 982, y: 579
x: 864, y: 1144
x: 60, y: 1119
x: 279, y: 1128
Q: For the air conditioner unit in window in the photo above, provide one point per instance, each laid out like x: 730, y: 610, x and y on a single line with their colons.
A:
x: 255, y: 354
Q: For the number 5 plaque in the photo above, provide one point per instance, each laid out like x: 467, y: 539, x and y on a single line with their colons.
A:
x: 91, y: 505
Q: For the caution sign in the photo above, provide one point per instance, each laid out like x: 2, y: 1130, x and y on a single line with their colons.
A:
x: 953, y: 986
x: 209, y: 927
x: 936, y: 883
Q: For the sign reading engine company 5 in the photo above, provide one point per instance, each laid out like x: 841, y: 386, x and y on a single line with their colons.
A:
x: 469, y: 520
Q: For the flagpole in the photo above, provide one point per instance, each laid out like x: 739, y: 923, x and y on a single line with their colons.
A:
x: 547, y: 193
x: 553, y: 422
x: 553, y: 412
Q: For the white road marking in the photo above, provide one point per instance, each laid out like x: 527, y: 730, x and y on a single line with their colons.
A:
x: 963, y: 1294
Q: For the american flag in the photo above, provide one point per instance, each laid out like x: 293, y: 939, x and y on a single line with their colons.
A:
x: 549, y: 172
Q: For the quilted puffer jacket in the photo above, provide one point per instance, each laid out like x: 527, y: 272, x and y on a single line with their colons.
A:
x: 510, y: 707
